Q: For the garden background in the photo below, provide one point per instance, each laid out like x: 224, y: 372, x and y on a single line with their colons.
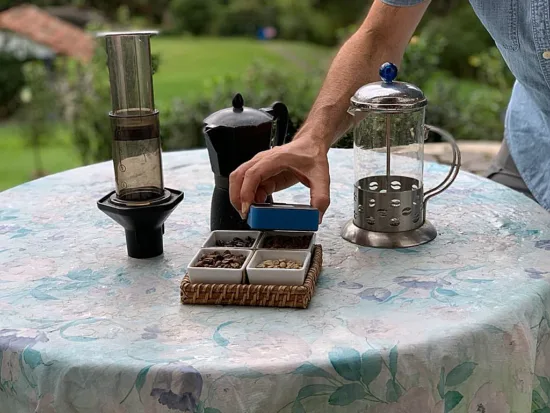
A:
x: 53, y: 115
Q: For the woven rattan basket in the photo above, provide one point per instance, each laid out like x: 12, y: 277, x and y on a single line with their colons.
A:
x: 255, y: 295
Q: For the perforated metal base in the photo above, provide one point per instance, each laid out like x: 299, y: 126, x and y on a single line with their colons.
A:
x: 405, y: 239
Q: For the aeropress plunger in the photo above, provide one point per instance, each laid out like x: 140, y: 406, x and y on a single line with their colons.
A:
x: 140, y: 203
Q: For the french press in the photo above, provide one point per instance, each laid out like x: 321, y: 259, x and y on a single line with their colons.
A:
x: 388, y: 144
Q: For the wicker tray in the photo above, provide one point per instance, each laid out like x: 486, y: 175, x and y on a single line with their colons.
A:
x: 255, y: 295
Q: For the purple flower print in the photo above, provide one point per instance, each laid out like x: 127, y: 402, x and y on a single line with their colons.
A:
x: 413, y: 282
x: 17, y: 340
x: 535, y: 274
x: 151, y: 333
x: 350, y: 285
x: 178, y: 387
x: 543, y: 244
x: 4, y: 229
x: 375, y: 294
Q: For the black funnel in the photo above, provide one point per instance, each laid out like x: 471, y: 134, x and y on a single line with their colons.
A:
x: 144, y: 225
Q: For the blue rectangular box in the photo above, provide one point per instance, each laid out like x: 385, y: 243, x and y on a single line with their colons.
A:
x: 283, y: 217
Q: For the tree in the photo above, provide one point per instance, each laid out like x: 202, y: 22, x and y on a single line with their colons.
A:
x: 39, y: 110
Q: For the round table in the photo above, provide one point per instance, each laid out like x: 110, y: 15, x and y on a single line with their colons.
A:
x: 461, y: 324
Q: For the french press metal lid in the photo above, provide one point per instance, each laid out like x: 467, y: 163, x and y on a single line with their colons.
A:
x: 389, y: 134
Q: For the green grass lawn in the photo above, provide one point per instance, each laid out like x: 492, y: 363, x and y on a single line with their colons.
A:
x: 187, y: 67
x: 17, y: 159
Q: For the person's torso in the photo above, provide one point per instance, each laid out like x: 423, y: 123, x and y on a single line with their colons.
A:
x: 521, y: 30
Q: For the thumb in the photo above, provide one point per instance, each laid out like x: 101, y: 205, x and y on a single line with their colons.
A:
x: 320, y: 195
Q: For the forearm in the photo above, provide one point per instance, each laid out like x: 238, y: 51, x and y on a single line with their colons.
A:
x: 356, y: 64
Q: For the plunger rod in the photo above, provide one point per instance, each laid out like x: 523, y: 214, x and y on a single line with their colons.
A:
x: 388, y: 151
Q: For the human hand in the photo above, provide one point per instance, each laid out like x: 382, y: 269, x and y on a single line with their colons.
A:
x: 279, y: 168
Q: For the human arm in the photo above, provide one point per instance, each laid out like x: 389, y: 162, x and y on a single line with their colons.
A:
x: 383, y: 36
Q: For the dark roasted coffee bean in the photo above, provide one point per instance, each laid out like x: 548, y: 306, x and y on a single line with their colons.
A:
x: 287, y: 242
x: 221, y: 260
x: 236, y: 242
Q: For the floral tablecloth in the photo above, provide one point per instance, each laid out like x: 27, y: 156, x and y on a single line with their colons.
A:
x: 459, y: 325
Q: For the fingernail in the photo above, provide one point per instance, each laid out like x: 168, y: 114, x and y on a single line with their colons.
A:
x: 244, y: 210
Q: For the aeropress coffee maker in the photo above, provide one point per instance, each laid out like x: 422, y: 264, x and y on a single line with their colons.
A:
x: 140, y: 203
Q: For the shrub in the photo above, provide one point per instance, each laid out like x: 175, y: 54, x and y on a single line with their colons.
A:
x: 303, y: 22
x: 12, y: 80
x: 39, y: 114
x: 465, y: 36
x: 193, y: 16
x: 87, y: 108
x: 466, y: 109
x: 243, y: 18
x: 260, y: 85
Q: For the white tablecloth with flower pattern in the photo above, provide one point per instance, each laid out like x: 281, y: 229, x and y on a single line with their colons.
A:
x: 459, y: 325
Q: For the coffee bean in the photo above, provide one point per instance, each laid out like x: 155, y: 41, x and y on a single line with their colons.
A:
x: 236, y: 242
x: 288, y: 242
x: 281, y: 263
x: 221, y: 260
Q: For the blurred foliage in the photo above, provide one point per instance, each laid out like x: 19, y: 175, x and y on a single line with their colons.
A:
x: 151, y: 11
x: 193, y: 16
x: 88, y: 107
x: 472, y: 108
x: 260, y: 85
x: 86, y: 102
x: 315, y: 21
x: 39, y: 114
x: 241, y: 17
x: 469, y: 106
x: 465, y: 36
x: 451, y: 58
x: 12, y: 80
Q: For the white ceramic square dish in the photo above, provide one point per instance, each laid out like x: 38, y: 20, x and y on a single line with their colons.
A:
x: 267, y: 234
x: 278, y: 276
x: 227, y: 235
x: 206, y: 275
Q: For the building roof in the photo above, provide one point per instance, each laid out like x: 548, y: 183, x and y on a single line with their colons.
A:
x: 41, y: 27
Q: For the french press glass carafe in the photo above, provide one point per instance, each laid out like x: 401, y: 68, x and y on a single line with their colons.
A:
x: 389, y: 134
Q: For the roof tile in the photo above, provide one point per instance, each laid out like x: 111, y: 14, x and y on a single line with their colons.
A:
x: 62, y: 37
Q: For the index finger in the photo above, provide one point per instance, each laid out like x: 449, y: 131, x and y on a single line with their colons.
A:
x: 255, y: 175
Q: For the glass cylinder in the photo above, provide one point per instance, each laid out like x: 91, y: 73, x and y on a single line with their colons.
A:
x: 137, y: 158
x: 130, y: 73
x: 389, y: 145
x: 137, y: 154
